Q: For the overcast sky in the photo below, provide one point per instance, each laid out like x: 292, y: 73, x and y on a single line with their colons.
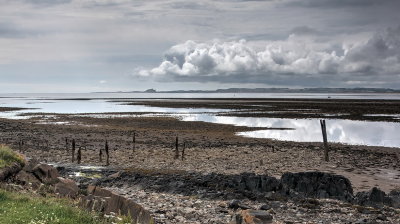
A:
x: 112, y: 45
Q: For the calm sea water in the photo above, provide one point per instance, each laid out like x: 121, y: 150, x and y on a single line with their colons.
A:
x: 301, y: 130
x: 204, y: 95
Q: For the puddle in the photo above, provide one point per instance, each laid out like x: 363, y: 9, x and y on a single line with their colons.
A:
x: 343, y: 131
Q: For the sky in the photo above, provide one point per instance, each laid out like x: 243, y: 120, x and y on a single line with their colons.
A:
x: 134, y: 45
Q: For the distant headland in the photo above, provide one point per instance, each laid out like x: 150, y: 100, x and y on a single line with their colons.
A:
x: 273, y: 90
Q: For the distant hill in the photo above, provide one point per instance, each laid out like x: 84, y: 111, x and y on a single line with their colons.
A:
x: 277, y: 90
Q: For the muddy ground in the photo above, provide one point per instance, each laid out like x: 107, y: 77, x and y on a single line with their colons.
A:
x: 209, y: 147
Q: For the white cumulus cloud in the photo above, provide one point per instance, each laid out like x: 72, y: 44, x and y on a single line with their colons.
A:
x: 216, y: 60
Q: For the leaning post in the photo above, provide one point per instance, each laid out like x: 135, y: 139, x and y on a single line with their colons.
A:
x: 325, y: 138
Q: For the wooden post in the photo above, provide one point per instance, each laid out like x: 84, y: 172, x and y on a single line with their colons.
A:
x: 101, y: 155
x: 66, y: 143
x: 183, y: 151
x: 79, y: 156
x: 325, y: 138
x: 73, y: 150
x: 134, y: 141
x: 107, y: 154
x: 176, y: 148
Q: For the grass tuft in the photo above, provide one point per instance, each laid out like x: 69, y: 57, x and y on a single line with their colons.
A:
x: 7, y: 157
x: 22, y: 208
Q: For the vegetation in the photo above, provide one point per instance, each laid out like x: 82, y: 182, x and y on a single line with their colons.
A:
x: 26, y: 208
x: 7, y: 157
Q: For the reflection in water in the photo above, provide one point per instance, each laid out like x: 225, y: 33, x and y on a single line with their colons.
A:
x: 309, y: 130
x: 343, y: 131
x: 300, y: 130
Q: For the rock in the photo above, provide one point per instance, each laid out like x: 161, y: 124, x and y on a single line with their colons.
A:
x: 374, y: 198
x: 98, y: 191
x: 256, y: 183
x: 8, y: 171
x: 45, y: 173
x: 115, y: 175
x: 103, y: 200
x: 394, y: 195
x: 317, y: 184
x: 265, y: 207
x: 253, y: 217
x: 26, y: 178
x: 66, y: 188
x: 30, y: 165
x: 235, y: 204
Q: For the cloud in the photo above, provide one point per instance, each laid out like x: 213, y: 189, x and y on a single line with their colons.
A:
x: 238, y: 61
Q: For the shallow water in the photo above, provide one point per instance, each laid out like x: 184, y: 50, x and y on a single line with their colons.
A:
x: 300, y: 130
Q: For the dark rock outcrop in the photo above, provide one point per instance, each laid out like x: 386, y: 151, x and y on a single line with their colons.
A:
x: 256, y: 183
x: 318, y: 185
x: 373, y: 198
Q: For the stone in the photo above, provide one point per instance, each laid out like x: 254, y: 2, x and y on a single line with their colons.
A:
x: 253, y: 217
x: 8, y: 171
x: 98, y: 191
x: 103, y: 200
x: 374, y: 198
x: 317, y: 184
x: 66, y: 188
x: 394, y: 195
x: 25, y: 178
x: 265, y: 207
x: 256, y: 183
x: 235, y: 204
x: 30, y: 165
x: 46, y: 173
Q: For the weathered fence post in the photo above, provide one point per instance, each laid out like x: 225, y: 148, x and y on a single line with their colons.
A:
x: 323, y: 127
x: 66, y: 143
x: 79, y: 156
x: 107, y: 154
x: 134, y: 141
x: 73, y: 150
x: 176, y: 148
x: 101, y: 155
x: 183, y: 151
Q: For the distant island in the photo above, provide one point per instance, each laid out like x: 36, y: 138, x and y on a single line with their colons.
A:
x: 273, y: 90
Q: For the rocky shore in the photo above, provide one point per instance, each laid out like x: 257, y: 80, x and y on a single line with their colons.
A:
x: 215, y: 176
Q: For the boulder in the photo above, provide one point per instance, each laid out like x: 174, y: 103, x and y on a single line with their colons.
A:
x: 30, y: 164
x: 8, y: 171
x: 374, y: 198
x: 66, y: 188
x: 395, y: 197
x: 252, y: 217
x: 318, y: 185
x: 98, y: 191
x: 103, y: 200
x: 25, y: 178
x: 46, y: 173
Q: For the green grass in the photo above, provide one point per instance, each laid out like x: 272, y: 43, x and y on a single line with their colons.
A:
x: 7, y: 157
x: 24, y: 208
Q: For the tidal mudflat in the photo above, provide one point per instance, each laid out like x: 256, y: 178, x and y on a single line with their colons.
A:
x: 225, y: 137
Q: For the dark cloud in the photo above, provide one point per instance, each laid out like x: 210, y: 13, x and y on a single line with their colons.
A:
x: 341, y: 3
x: 46, y: 2
x: 304, y: 30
